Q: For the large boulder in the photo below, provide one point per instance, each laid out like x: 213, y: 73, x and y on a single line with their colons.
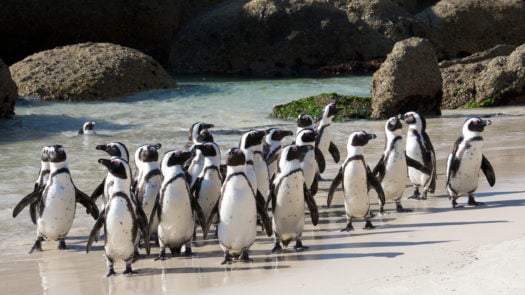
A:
x: 408, y: 80
x: 288, y: 38
x: 495, y: 80
x: 88, y: 71
x: 8, y: 92
x: 462, y: 27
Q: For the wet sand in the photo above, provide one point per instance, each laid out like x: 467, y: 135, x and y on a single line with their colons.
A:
x: 433, y: 250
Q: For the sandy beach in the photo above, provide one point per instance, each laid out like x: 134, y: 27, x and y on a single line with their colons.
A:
x: 433, y: 250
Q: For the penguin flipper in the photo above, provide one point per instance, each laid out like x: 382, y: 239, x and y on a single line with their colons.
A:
x: 319, y: 157
x: 374, y: 182
x: 93, y: 235
x: 270, y: 158
x: 487, y: 169
x: 142, y: 221
x: 87, y: 202
x: 196, y: 187
x: 31, y: 198
x: 98, y: 191
x: 33, y: 212
x: 334, y: 151
x: 262, y: 212
x: 380, y: 169
x: 314, y: 187
x: 416, y: 165
x: 335, y: 183
x: 312, y: 205
x: 197, y: 209
x: 214, y: 210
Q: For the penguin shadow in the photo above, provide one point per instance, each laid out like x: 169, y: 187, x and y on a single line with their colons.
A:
x: 437, y: 224
x: 346, y: 235
x: 236, y: 266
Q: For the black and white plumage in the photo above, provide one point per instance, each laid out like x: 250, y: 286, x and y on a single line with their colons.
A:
x: 357, y: 180
x: 391, y: 169
x: 88, y: 128
x: 56, y: 210
x: 256, y: 170
x: 324, y: 134
x: 466, y: 160
x: 420, y: 156
x: 272, y: 147
x: 313, y: 161
x: 198, y: 134
x: 114, y: 149
x: 304, y: 121
x: 288, y: 196
x: 121, y: 218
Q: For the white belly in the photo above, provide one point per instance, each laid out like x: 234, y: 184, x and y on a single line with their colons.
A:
x: 263, y: 178
x: 466, y: 178
x: 395, y: 176
x: 210, y: 192
x: 357, y: 203
x: 414, y: 151
x: 119, y: 243
x: 59, y: 213
x: 310, y: 168
x: 288, y: 215
x: 150, y: 191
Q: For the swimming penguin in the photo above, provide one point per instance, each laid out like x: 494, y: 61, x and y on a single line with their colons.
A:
x: 120, y: 219
x: 391, y: 169
x: 466, y: 160
x: 34, y: 198
x: 176, y: 207
x: 420, y: 156
x: 88, y: 128
x: 198, y: 134
x: 148, y: 180
x: 272, y: 147
x: 312, y: 161
x: 357, y: 179
x: 324, y: 134
x: 251, y: 145
x: 237, y: 210
x: 207, y: 188
x: 288, y: 197
x: 304, y: 121
x: 58, y: 203
x: 114, y: 149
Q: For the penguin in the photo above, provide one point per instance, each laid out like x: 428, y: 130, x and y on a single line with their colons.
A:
x: 256, y: 170
x: 420, y: 156
x: 324, y: 135
x: 58, y: 203
x: 288, y: 197
x: 88, y: 128
x: 272, y: 147
x: 35, y: 197
x: 237, y: 209
x: 198, y: 134
x: 175, y: 208
x: 391, y: 169
x: 465, y: 161
x: 312, y: 161
x: 120, y: 218
x: 304, y: 121
x: 207, y: 187
x: 148, y: 181
x: 357, y: 178
x: 114, y: 149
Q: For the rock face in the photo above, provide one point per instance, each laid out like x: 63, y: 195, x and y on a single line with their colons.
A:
x: 88, y: 71
x: 8, y: 92
x: 288, y: 38
x: 462, y: 27
x: 408, y: 80
x: 500, y: 79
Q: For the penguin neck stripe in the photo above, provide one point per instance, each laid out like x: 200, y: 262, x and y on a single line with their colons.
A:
x: 152, y: 173
x: 175, y: 178
x: 290, y: 173
x: 61, y: 170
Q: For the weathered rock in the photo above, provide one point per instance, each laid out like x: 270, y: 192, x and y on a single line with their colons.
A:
x: 8, y: 92
x: 498, y: 80
x: 88, y: 71
x: 408, y: 80
x: 463, y: 27
x: 498, y: 50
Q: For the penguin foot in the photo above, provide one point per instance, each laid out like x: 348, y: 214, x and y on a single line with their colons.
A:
x: 227, y: 259
x: 128, y: 270
x: 473, y: 202
x: 368, y: 225
x: 245, y: 256
x: 455, y: 204
x: 111, y: 272
x: 162, y: 255
x: 187, y: 251
x: 299, y: 246
x: 277, y: 249
x: 349, y: 227
x: 62, y: 244
x: 423, y: 196
x: 136, y: 255
x: 37, y: 246
x: 382, y: 210
x: 400, y: 209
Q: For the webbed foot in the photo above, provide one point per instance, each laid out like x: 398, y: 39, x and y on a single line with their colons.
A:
x: 368, y: 225
x: 37, y: 246
x: 473, y: 202
x: 349, y: 227
x: 400, y: 209
x: 299, y: 246
x: 277, y: 248
x: 227, y: 259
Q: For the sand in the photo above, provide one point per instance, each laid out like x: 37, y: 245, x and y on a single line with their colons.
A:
x: 433, y: 250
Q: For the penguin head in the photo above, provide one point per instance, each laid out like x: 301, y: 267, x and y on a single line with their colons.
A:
x: 174, y: 158
x: 304, y: 121
x: 196, y: 128
x: 88, y: 128
x: 44, y: 157
x: 360, y: 138
x: 306, y: 137
x: 117, y: 166
x: 476, y: 125
x: 393, y: 124
x: 251, y: 138
x: 56, y: 154
x: 115, y: 149
x: 235, y: 157
x: 415, y: 120
x: 295, y: 152
x: 276, y: 134
x: 148, y: 153
x: 204, y: 136
x: 330, y: 110
x: 208, y: 149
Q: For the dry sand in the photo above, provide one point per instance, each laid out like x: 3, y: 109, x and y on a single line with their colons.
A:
x: 433, y: 250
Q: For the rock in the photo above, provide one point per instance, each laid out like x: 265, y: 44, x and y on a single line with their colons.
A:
x: 498, y: 50
x: 8, y: 92
x: 88, y: 71
x: 494, y: 81
x: 408, y: 80
x: 462, y: 27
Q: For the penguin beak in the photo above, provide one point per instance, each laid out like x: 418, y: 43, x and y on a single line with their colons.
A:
x: 101, y: 147
x: 106, y: 162
x: 370, y: 136
x: 486, y: 122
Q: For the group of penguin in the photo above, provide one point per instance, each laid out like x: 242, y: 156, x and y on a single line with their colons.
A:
x: 167, y: 199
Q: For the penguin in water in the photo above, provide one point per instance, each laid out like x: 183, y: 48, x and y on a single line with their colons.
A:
x: 420, y: 156
x: 176, y: 208
x: 288, y: 197
x: 120, y: 219
x: 357, y: 178
x: 114, y: 149
x: 237, y: 210
x: 313, y: 161
x: 148, y: 181
x: 198, y: 134
x: 88, y: 128
x: 58, y: 203
x: 272, y: 147
x: 391, y: 169
x: 35, y: 197
x: 207, y: 187
x: 465, y: 161
x: 304, y: 121
x: 324, y: 134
